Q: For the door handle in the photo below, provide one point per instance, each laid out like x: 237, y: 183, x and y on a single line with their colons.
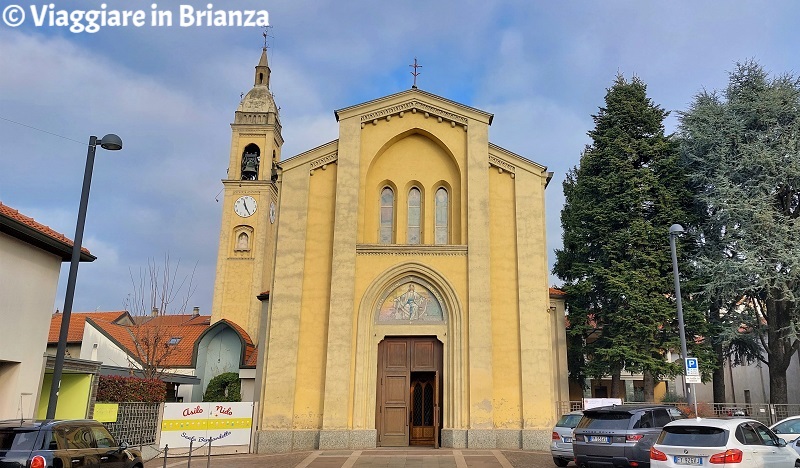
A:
x: 104, y: 458
x: 76, y: 460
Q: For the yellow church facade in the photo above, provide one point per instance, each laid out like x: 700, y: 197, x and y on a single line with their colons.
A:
x: 395, y: 279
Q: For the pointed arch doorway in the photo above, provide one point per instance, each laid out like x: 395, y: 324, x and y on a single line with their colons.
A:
x: 409, y: 391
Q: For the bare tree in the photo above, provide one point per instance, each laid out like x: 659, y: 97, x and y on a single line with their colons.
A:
x: 158, y: 290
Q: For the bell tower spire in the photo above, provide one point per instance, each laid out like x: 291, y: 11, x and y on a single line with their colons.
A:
x: 262, y: 69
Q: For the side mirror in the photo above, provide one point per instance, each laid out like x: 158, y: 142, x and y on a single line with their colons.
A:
x: 781, y: 443
x: 123, y: 445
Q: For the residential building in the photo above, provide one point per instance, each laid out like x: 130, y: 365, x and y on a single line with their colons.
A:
x: 31, y: 255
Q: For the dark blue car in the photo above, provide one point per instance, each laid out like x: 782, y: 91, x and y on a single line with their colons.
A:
x: 63, y: 444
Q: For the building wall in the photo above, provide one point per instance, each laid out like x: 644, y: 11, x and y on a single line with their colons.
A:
x: 330, y: 273
x: 27, y: 296
x: 106, y: 351
x: 218, y: 352
x: 73, y: 396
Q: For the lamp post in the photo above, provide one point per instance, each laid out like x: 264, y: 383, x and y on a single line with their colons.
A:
x: 109, y: 142
x: 674, y: 231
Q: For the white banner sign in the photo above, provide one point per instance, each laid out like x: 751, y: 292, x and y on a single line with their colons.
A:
x: 220, y: 423
x: 589, y: 403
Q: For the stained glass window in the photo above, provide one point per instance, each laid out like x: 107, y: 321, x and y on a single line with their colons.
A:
x: 387, y: 216
x: 414, y: 216
x: 441, y: 216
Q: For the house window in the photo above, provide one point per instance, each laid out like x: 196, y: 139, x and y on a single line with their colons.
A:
x: 413, y: 216
x: 441, y: 216
x: 387, y: 216
x: 174, y: 340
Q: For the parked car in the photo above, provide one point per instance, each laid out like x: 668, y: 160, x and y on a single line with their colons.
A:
x: 63, y: 444
x: 788, y: 429
x: 716, y: 442
x: 561, y: 447
x: 620, y: 435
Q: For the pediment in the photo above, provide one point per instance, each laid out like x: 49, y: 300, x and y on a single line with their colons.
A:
x: 414, y: 101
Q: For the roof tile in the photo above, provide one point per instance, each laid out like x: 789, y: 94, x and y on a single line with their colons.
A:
x: 11, y: 213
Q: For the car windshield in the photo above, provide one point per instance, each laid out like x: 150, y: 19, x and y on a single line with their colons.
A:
x: 693, y: 436
x: 791, y: 426
x: 15, y: 439
x: 605, y: 420
x: 569, y: 420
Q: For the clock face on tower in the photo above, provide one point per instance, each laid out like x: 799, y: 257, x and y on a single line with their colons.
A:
x: 245, y: 206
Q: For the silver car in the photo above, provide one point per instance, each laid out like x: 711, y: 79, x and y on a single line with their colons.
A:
x: 561, y: 447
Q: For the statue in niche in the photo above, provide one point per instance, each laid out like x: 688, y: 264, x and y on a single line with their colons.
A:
x: 250, y: 162
x: 243, y: 241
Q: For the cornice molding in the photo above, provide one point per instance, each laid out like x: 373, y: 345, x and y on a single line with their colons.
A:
x: 323, y: 161
x: 502, y: 165
x: 414, y: 106
x: 412, y: 250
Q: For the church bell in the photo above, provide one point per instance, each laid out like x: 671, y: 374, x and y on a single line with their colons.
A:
x: 250, y: 167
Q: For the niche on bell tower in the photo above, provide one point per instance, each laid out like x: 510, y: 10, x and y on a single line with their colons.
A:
x: 242, y: 241
x: 251, y: 159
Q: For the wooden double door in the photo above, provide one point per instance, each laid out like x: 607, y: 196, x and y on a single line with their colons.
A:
x: 409, y: 391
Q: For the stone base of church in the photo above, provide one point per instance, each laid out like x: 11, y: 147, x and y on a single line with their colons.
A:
x: 527, y: 439
x: 283, y: 441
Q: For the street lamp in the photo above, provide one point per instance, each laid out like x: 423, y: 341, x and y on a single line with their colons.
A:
x: 109, y: 142
x: 674, y: 231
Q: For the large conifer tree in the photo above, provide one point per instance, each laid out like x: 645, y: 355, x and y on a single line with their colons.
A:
x: 742, y: 151
x: 616, y: 264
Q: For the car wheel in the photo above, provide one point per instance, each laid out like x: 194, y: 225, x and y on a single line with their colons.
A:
x: 797, y: 464
x: 563, y: 462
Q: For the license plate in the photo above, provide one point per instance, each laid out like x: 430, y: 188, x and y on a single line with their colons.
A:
x: 688, y: 460
x: 598, y: 439
x: 567, y: 440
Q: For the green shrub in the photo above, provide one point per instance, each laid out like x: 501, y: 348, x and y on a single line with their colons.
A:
x: 224, y: 387
x: 118, y: 389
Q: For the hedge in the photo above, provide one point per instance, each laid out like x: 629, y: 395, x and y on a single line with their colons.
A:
x: 116, y: 389
x: 220, y: 385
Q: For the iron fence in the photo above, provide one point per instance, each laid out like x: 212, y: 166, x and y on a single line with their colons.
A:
x: 764, y: 412
x: 136, y: 424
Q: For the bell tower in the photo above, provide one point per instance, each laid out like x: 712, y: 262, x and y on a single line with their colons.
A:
x: 247, y: 234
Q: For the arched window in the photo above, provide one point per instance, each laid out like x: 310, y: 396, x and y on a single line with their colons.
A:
x: 413, y: 216
x: 387, y: 217
x: 441, y: 216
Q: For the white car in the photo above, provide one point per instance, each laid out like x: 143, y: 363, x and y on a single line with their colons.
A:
x: 736, y: 442
x: 788, y: 428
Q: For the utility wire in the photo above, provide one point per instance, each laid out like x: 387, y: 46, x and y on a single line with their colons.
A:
x: 40, y: 130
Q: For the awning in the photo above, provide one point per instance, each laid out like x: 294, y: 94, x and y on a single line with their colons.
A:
x: 179, y: 379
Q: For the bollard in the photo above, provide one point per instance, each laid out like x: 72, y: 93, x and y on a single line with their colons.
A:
x: 208, y: 461
x: 166, y: 450
x: 189, y: 462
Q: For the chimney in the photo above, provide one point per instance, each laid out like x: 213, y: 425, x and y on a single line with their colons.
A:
x: 195, y: 312
x: 154, y: 312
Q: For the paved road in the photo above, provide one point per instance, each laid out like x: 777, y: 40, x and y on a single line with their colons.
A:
x: 383, y: 458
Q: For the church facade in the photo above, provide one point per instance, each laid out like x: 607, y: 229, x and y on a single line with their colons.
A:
x: 395, y: 279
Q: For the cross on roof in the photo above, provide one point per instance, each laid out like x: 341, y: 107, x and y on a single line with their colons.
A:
x: 415, y: 72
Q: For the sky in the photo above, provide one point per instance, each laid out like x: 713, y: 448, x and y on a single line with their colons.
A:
x: 170, y: 92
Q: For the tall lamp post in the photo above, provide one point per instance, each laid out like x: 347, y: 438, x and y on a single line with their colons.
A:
x: 674, y: 231
x: 109, y: 142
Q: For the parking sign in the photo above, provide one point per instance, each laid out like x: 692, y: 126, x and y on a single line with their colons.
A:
x: 692, y: 370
